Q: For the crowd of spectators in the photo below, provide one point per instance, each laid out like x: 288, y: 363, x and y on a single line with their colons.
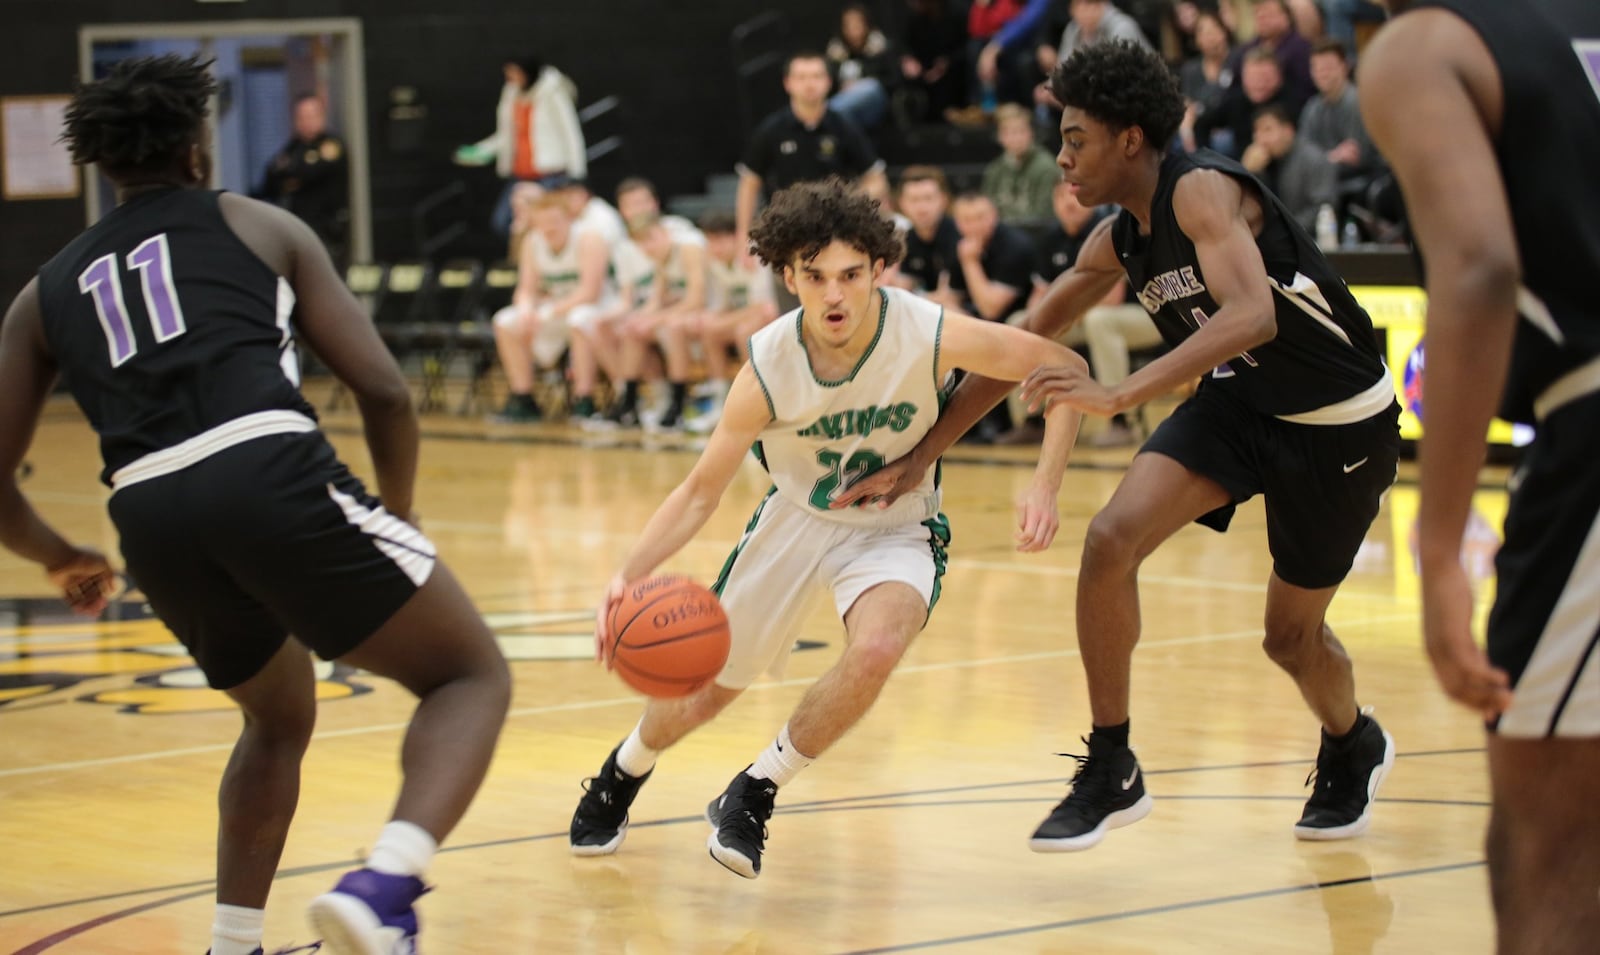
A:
x: 654, y: 310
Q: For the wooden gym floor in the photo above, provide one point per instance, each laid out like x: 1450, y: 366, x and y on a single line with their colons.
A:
x: 911, y: 834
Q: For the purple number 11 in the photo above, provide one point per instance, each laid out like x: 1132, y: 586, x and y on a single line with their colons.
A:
x: 153, y: 261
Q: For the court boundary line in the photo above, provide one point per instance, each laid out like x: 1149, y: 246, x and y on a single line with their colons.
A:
x: 581, y: 705
x: 1165, y: 909
x: 822, y: 805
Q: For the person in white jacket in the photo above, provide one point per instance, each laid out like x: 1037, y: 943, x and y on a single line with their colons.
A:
x: 536, y: 135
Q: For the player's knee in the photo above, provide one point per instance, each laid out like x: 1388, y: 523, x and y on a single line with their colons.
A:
x: 494, y: 674
x: 876, y: 654
x: 1288, y: 641
x: 1108, y: 545
x: 285, y: 726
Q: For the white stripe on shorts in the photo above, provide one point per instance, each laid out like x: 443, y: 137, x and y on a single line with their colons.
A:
x: 413, y: 553
x: 1558, y: 693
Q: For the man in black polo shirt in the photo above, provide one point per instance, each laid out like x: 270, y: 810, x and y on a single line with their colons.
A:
x: 803, y: 142
x: 932, y: 239
x: 996, y: 260
x: 993, y: 278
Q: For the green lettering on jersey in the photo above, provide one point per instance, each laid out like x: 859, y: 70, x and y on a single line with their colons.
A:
x: 861, y: 422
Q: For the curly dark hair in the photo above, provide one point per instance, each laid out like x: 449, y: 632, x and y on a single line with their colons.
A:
x: 801, y: 220
x: 142, y: 116
x: 1122, y: 84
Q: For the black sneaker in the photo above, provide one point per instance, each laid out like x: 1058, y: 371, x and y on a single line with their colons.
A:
x: 601, y: 819
x: 518, y: 409
x: 1345, y: 783
x: 621, y: 415
x: 1107, y: 793
x: 739, y: 817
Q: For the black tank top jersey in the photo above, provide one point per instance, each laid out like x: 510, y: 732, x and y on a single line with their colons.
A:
x: 1548, y: 53
x: 1325, y: 351
x: 165, y: 325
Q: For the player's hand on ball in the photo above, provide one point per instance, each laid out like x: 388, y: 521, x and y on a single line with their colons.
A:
x: 603, y: 636
x: 1459, y: 662
x: 86, y: 581
x: 1037, y: 519
x: 882, y: 487
x: 1071, y: 385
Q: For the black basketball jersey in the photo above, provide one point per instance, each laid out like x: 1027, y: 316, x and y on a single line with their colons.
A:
x: 1325, y: 352
x: 165, y: 325
x: 1548, y: 53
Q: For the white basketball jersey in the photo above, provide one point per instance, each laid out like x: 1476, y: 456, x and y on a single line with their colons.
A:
x: 558, y: 271
x: 730, y: 287
x: 632, y: 272
x: 825, y: 435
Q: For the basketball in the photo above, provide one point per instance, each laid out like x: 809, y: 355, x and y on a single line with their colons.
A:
x: 669, y: 635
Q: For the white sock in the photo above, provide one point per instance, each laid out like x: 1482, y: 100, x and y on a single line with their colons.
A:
x: 635, y: 758
x: 236, y: 930
x: 403, y: 849
x: 779, y: 762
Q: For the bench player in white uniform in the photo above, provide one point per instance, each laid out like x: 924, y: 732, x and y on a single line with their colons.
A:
x: 739, y: 302
x: 676, y: 263
x: 561, y: 282
x: 851, y: 379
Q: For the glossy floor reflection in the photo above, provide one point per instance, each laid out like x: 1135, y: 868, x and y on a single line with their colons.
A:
x: 911, y: 834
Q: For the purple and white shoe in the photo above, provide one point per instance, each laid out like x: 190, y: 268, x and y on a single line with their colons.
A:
x: 369, y: 913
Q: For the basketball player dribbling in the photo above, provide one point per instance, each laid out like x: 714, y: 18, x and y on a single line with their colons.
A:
x: 172, y: 322
x: 1490, y: 117
x: 1294, y: 404
x: 850, y: 380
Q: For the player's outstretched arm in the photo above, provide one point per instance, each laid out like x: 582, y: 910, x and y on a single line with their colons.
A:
x: 1443, y: 88
x: 27, y: 372
x: 1069, y: 297
x: 337, y: 328
x: 693, y: 501
x: 1211, y: 209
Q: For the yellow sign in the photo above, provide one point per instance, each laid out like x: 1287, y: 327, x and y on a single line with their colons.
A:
x: 1399, y: 311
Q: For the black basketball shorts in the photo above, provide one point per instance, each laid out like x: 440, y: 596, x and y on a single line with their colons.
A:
x: 1322, y: 483
x: 1545, y: 624
x: 265, y: 539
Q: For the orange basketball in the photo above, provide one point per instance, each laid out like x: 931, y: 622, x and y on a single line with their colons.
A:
x: 668, y: 636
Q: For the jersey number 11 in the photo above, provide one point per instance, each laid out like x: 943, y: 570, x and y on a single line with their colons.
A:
x: 153, y: 261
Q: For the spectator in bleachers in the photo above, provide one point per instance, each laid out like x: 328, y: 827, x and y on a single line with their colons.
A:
x: 1230, y: 127
x: 1005, y: 63
x: 1308, y: 21
x: 1177, y: 40
x: 1206, y: 78
x: 930, y: 258
x: 801, y: 142
x: 934, y: 61
x: 561, y: 281
x: 536, y: 134
x: 1294, y: 170
x: 985, y: 21
x: 671, y: 310
x: 862, y: 66
x: 739, y: 303
x: 1020, y: 180
x: 995, y: 275
x: 310, y: 176
x: 1332, y: 120
x: 1092, y: 21
x: 1275, y: 32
